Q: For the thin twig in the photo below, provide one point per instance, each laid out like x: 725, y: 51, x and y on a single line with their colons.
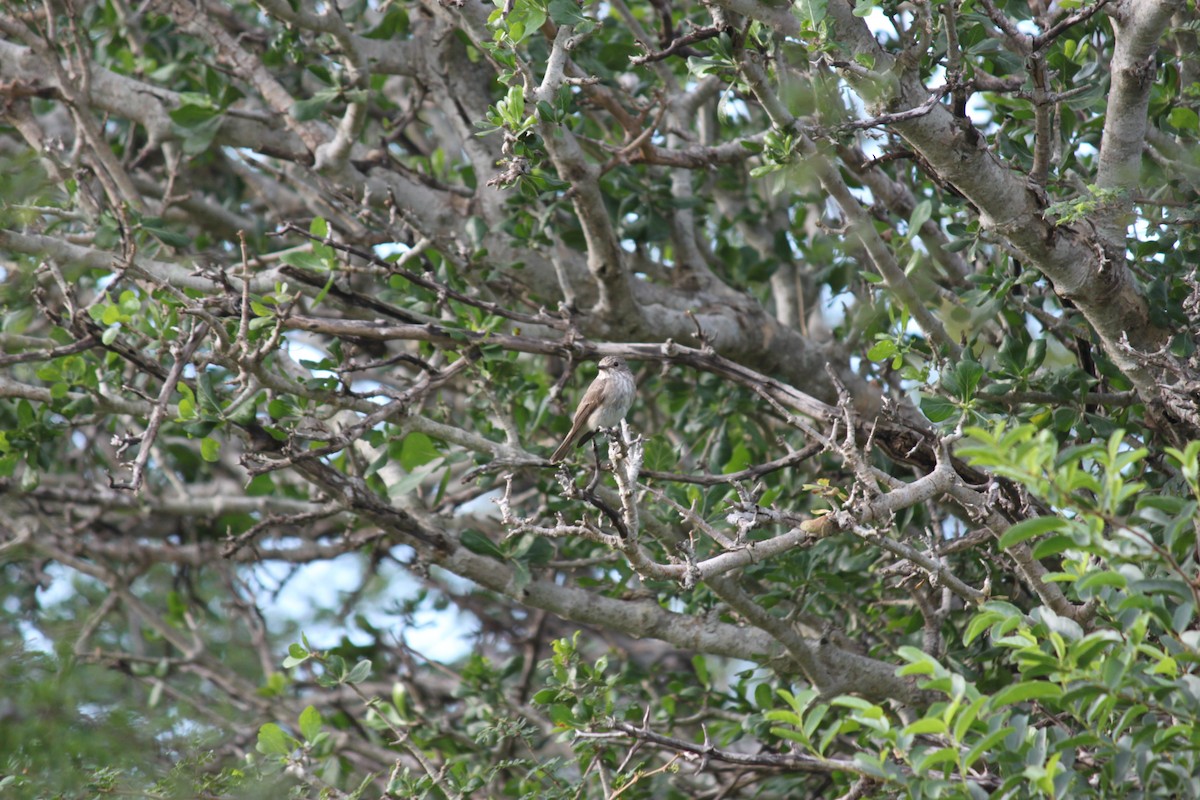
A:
x: 426, y: 282
x: 679, y: 43
x: 750, y: 473
x: 183, y: 355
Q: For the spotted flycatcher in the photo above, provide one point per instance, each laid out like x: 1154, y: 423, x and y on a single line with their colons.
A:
x: 604, y: 404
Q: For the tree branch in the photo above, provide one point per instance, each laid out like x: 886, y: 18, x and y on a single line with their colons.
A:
x: 1138, y: 27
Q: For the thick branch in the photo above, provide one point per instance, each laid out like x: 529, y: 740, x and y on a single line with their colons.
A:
x: 1138, y: 27
x: 1103, y: 289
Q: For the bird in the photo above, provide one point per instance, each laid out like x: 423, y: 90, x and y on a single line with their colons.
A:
x: 604, y: 404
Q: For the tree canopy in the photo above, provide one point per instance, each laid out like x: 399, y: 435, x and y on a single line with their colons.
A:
x: 299, y: 298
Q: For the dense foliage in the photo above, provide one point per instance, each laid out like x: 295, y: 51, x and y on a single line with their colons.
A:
x: 298, y: 298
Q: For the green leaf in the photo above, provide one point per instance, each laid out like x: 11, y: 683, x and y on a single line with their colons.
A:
x: 210, y: 449
x: 480, y: 544
x: 305, y: 259
x: 937, y: 409
x: 1053, y: 545
x: 521, y: 575
x: 1064, y: 626
x: 416, y: 450
x: 310, y: 723
x: 539, y: 553
x: 565, y: 12
x: 25, y: 415
x: 925, y: 725
x: 1090, y: 646
x: 863, y: 8
x: 764, y: 698
x: 783, y: 715
x: 921, y: 213
x: 560, y: 714
x: 1183, y: 118
x: 810, y: 13
x: 207, y: 395
x: 17, y: 320
x: 361, y: 671
x: 280, y: 408
x: 790, y: 735
x: 1029, y: 528
x: 986, y: 745
x: 1094, y: 580
x: 882, y: 350
x: 198, y: 135
x: 963, y: 379
x: 477, y: 227
x: 967, y: 718
x: 701, y: 666
x: 544, y: 696
x: 129, y: 302
x: 187, y: 402
x: 296, y: 656
x: 850, y: 701
x: 1024, y: 691
x: 978, y: 624
x: 739, y: 459
x: 272, y: 741
x: 915, y: 655
x: 526, y: 18
x: 312, y: 107
x: 191, y: 116
x: 932, y: 758
x: 168, y: 237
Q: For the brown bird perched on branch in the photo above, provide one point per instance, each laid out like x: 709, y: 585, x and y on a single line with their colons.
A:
x: 604, y: 404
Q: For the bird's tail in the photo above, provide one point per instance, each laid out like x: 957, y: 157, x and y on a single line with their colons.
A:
x: 562, y: 450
